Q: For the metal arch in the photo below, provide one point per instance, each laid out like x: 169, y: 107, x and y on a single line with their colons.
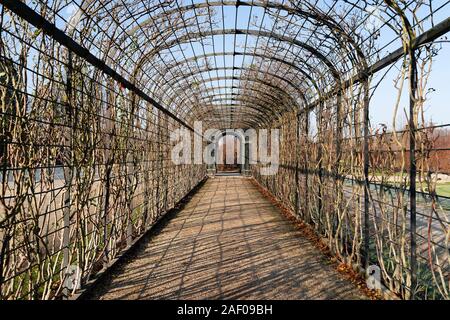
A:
x: 189, y: 38
x: 271, y: 34
x: 256, y: 33
x: 265, y: 94
x: 265, y: 5
x: 248, y: 103
x: 242, y: 124
x: 189, y: 75
x: 253, y: 104
x: 267, y: 105
x: 322, y: 18
x: 233, y: 96
x: 257, y: 80
x: 76, y: 19
x: 239, y: 122
x: 250, y: 120
x: 244, y: 104
x: 290, y: 84
x: 264, y: 56
x: 275, y: 112
x: 237, y: 105
x: 260, y: 108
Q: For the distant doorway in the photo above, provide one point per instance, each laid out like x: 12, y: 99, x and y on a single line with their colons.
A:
x: 228, y: 153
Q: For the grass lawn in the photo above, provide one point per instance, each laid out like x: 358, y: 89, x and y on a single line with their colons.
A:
x: 443, y: 189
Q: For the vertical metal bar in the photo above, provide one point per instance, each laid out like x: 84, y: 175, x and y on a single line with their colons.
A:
x: 366, y: 164
x: 320, y: 163
x: 106, y: 211
x: 109, y: 162
x: 247, y: 157
x: 306, y: 166
x: 413, y: 170
x: 338, y: 141
x: 68, y: 176
x: 164, y: 163
x: 297, y: 176
x: 158, y: 167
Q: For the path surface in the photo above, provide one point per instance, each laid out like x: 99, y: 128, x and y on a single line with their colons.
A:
x: 229, y: 242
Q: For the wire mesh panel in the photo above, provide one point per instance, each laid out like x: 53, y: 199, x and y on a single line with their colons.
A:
x: 376, y: 195
x: 85, y: 164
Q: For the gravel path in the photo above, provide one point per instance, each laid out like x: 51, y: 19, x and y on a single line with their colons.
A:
x: 229, y: 242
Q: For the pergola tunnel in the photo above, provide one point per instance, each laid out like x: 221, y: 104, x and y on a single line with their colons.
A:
x: 327, y: 103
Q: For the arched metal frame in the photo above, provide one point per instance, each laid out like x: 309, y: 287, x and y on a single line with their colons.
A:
x: 177, y: 39
x: 168, y: 63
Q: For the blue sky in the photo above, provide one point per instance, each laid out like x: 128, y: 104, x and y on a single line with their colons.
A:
x: 436, y: 107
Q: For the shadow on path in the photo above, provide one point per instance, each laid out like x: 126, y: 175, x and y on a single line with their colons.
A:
x: 228, y: 242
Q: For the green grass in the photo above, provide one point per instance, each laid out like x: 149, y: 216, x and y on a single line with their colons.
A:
x: 443, y: 189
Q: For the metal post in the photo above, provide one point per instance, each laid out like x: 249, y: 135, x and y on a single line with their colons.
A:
x: 247, y: 157
x: 297, y: 176
x: 366, y: 173
x: 413, y: 170
x: 338, y: 142
x: 320, y: 161
x: 306, y: 166
x: 68, y: 176
x: 109, y: 156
